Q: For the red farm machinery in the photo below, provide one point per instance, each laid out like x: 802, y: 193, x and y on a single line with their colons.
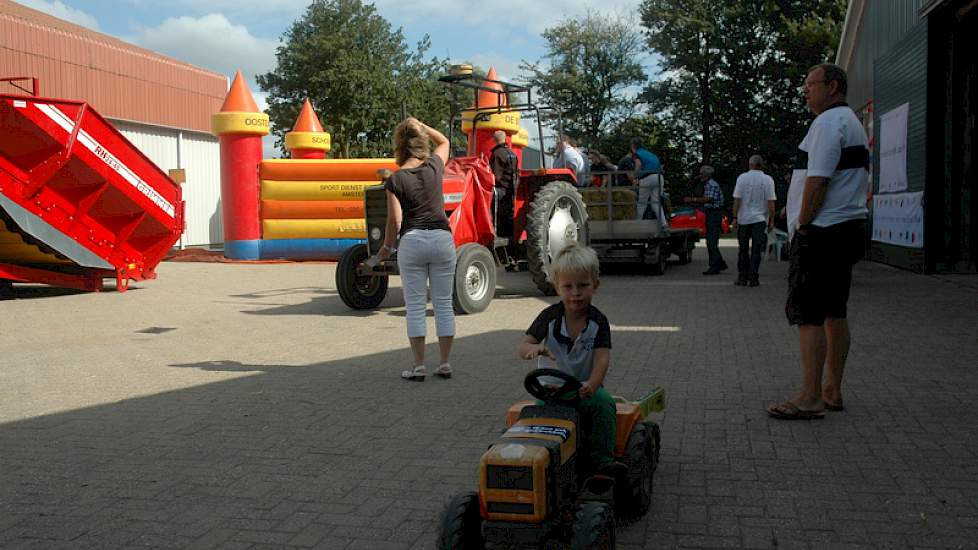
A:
x: 79, y: 203
x: 548, y: 211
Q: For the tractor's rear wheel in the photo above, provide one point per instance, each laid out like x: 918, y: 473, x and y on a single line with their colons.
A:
x: 461, y: 524
x: 359, y: 291
x: 557, y: 217
x: 594, y: 527
x: 639, y: 458
x: 475, y: 278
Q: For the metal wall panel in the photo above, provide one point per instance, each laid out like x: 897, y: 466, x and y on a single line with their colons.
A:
x: 198, y: 154
x: 884, y: 24
x: 120, y: 80
x: 901, y: 77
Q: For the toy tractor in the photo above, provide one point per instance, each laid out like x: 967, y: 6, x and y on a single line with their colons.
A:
x: 548, y: 212
x: 534, y: 485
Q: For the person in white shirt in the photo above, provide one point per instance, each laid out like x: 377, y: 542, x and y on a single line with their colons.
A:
x: 827, y: 222
x: 566, y: 155
x: 753, y: 211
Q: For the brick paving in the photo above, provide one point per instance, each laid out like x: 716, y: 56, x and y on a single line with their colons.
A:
x: 270, y: 416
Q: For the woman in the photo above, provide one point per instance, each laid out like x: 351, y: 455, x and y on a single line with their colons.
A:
x: 416, y: 211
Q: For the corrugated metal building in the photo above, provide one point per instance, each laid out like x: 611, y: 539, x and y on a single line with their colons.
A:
x: 162, y: 105
x: 922, y: 53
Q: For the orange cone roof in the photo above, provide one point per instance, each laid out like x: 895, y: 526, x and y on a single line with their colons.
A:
x: 486, y: 99
x: 307, y: 120
x: 239, y: 98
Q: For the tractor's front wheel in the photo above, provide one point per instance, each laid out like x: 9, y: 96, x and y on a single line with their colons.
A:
x: 475, y: 278
x: 461, y: 524
x: 594, y: 527
x: 557, y: 218
x: 359, y: 291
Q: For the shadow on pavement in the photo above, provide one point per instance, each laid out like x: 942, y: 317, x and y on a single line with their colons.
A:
x: 339, y: 450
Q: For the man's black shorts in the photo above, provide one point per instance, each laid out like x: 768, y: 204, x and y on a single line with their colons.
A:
x: 820, y: 272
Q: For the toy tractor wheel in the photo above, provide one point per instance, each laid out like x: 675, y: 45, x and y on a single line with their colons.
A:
x: 594, y: 527
x: 475, y: 278
x: 359, y: 291
x: 654, y: 439
x: 636, y: 498
x: 461, y: 524
x: 557, y: 217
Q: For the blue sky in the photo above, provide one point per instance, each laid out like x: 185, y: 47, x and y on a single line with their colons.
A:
x: 227, y: 35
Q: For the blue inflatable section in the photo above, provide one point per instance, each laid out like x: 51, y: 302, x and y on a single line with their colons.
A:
x: 243, y: 250
x: 306, y: 249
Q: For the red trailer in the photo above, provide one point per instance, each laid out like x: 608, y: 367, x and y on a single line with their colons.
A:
x: 78, y: 202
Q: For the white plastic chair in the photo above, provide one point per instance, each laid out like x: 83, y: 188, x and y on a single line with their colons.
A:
x: 776, y: 240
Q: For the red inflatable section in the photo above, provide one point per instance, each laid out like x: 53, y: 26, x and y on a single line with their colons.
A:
x: 471, y: 220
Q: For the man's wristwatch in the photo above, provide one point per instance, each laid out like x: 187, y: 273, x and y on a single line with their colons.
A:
x: 389, y: 249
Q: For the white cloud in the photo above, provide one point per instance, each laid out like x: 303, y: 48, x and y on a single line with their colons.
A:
x: 62, y: 11
x: 507, y: 69
x: 512, y: 17
x: 248, y: 8
x: 211, y: 42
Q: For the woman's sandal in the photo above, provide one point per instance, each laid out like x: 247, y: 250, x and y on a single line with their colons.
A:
x: 417, y: 375
x: 445, y: 371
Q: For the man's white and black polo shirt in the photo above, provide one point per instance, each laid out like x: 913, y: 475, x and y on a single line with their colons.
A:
x: 574, y: 357
x: 835, y: 148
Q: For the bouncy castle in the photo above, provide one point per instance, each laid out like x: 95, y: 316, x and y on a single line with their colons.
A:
x: 309, y: 207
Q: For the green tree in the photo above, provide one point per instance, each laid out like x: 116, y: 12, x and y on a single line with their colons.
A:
x: 732, y: 72
x: 590, y: 65
x: 358, y: 72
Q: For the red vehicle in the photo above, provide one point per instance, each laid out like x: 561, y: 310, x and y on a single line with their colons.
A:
x: 687, y: 217
x: 548, y: 211
x: 79, y: 203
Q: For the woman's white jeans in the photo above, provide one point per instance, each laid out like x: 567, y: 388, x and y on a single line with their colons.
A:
x: 428, y: 255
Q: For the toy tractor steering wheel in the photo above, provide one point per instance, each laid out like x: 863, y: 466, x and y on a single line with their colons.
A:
x: 537, y: 389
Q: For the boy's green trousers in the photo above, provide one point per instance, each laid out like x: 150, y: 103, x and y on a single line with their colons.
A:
x: 598, y: 414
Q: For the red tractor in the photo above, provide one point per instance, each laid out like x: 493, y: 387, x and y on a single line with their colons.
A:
x: 548, y: 211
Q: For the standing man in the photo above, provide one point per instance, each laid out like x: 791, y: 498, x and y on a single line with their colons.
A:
x: 713, y: 202
x: 567, y: 156
x: 753, y: 216
x: 504, y: 166
x: 826, y: 220
x: 649, y: 181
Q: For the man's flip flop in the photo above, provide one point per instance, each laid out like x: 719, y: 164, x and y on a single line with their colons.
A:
x: 835, y: 407
x: 790, y: 411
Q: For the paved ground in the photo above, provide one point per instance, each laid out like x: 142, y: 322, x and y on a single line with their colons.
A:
x: 243, y: 406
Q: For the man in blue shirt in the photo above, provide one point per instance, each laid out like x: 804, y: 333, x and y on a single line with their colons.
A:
x: 648, y: 168
x: 713, y: 203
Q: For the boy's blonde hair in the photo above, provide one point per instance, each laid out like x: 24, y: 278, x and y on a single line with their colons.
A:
x: 575, y: 258
x: 410, y: 141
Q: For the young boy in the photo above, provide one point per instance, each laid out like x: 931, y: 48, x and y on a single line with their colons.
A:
x: 578, y: 338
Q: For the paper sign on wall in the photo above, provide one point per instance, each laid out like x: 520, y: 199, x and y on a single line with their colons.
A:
x: 893, y: 150
x: 899, y: 219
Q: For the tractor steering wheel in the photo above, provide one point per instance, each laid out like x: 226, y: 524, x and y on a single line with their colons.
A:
x: 537, y: 389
